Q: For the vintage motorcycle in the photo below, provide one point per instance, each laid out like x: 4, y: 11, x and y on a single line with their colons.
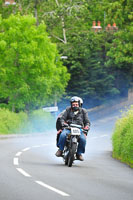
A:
x: 70, y: 149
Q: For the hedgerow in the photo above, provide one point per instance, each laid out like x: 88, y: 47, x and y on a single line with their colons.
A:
x: 122, y: 138
x: 36, y: 121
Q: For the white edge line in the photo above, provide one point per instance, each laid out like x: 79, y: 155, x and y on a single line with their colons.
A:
x: 18, y: 153
x: 23, y: 172
x: 15, y: 161
x: 52, y: 188
x: 26, y: 149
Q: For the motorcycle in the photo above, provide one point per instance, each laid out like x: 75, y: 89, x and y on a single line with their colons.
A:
x: 70, y: 149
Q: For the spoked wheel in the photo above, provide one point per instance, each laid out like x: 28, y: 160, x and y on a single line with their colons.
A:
x: 71, y: 154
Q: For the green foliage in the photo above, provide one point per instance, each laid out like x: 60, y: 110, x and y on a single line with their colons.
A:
x: 123, y: 138
x: 11, y: 122
x: 101, y: 64
x: 97, y: 62
x: 91, y: 77
x: 119, y: 11
x: 15, y: 123
x: 122, y: 50
x: 31, y: 73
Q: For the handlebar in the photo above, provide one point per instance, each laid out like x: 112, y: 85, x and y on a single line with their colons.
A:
x: 72, y: 126
x: 75, y: 126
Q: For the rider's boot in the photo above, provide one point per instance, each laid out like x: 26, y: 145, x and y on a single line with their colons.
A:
x: 59, y: 153
x: 80, y: 157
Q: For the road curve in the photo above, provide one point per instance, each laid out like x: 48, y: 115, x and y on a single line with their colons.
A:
x: 29, y: 169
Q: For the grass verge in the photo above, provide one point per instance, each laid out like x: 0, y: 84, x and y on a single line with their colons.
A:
x: 36, y: 121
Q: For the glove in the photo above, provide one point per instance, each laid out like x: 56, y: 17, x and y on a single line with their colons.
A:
x: 59, y: 131
x: 86, y: 129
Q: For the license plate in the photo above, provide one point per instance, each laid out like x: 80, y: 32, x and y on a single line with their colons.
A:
x: 75, y: 131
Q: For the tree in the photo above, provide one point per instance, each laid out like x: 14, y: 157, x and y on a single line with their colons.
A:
x: 101, y: 59
x: 121, y: 49
x: 90, y: 76
x: 31, y: 73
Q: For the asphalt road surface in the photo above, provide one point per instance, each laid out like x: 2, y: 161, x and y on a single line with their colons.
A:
x: 29, y: 169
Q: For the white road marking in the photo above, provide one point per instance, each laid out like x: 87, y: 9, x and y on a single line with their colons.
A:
x: 52, y: 188
x: 19, y: 153
x: 15, y: 161
x: 26, y: 149
x: 23, y: 172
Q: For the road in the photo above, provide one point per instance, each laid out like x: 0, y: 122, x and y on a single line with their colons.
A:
x: 29, y: 169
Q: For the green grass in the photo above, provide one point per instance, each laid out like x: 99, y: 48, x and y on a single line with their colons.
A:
x: 36, y: 121
x: 122, y: 138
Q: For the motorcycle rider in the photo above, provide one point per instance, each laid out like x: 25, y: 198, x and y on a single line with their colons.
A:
x: 58, y: 122
x: 77, y: 115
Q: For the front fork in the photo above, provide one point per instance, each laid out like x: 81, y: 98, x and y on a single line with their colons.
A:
x: 73, y: 140
x: 68, y: 146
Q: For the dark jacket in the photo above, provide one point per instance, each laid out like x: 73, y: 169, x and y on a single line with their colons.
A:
x: 80, y: 117
x: 58, y: 121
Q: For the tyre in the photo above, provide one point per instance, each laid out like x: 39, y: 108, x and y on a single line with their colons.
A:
x: 66, y: 157
x: 72, y: 151
x: 66, y: 160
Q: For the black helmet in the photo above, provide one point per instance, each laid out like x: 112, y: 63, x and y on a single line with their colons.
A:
x: 76, y: 99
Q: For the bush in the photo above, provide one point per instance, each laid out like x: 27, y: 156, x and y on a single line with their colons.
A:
x: 36, y: 121
x: 11, y: 122
x: 123, y: 138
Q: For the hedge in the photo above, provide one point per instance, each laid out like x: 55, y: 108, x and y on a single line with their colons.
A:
x: 122, y: 138
x: 36, y: 121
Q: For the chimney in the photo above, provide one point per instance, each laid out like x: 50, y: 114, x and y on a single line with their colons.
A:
x: 96, y: 28
x: 114, y: 24
x: 99, y: 23
x: 109, y: 27
x: 115, y: 28
x: 99, y: 28
x: 10, y: 2
x: 94, y: 23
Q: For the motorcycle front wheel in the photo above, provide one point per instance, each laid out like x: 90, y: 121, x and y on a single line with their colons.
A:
x: 72, y: 151
x: 66, y: 157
